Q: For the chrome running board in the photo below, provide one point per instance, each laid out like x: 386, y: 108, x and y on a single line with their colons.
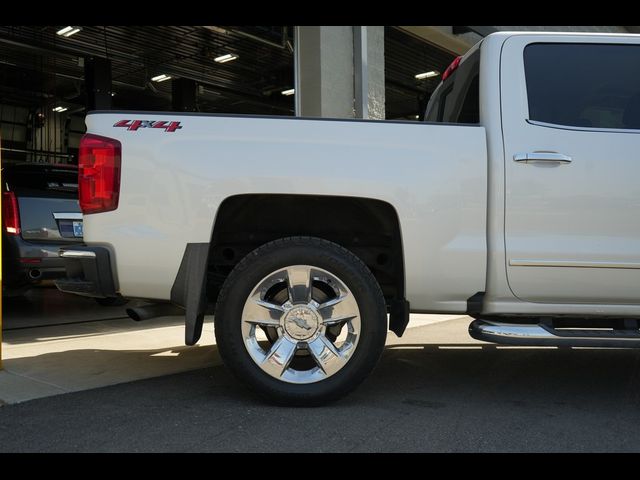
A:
x: 536, y: 334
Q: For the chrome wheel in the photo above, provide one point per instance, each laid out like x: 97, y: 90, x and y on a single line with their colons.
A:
x: 301, y: 324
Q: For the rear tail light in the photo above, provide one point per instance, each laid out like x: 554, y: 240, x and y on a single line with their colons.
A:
x: 99, y: 173
x: 30, y: 260
x: 451, y: 68
x: 10, y: 213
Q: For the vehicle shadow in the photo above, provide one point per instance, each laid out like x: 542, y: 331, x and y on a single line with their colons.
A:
x: 421, y: 397
x: 422, y: 375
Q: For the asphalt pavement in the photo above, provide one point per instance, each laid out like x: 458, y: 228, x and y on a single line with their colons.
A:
x: 433, y: 391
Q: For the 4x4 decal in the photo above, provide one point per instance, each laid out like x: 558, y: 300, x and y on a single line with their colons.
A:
x: 134, y: 125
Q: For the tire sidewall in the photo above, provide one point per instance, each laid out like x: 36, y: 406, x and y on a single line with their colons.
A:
x: 345, y: 266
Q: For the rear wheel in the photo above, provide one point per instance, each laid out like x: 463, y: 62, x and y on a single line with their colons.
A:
x: 301, y: 320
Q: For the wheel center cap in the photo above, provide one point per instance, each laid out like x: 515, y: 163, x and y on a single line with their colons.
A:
x: 301, y: 322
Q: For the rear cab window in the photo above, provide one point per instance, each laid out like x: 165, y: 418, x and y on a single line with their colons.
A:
x: 457, y: 99
x: 583, y: 85
x: 42, y: 180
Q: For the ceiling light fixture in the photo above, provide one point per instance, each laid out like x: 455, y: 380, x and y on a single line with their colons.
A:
x: 160, y: 78
x: 291, y: 91
x: 60, y: 109
x: 68, y: 31
x: 225, y: 58
x: 432, y: 73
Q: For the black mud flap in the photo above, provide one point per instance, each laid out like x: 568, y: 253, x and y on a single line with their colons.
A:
x: 189, y: 289
x: 398, y: 316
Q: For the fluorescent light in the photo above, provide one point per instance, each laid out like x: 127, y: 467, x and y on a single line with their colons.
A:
x: 68, y: 31
x: 160, y: 78
x: 432, y: 73
x: 291, y: 91
x: 225, y: 58
x: 60, y: 109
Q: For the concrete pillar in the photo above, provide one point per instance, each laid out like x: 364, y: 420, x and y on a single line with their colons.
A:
x: 183, y: 95
x: 327, y: 59
x: 375, y: 67
x: 97, y: 81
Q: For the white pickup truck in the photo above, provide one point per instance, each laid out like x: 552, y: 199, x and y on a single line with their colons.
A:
x: 516, y: 202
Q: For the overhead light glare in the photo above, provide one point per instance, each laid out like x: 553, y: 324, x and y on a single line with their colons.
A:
x: 432, y: 73
x: 60, y: 109
x: 225, y: 58
x: 160, y: 78
x: 291, y: 91
x: 68, y: 31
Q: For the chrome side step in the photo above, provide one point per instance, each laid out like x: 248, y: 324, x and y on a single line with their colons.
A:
x: 543, y: 335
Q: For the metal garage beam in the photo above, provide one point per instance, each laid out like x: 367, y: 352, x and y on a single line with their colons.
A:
x: 483, y: 30
x: 97, y: 79
x: 439, y: 37
x: 170, y: 69
x: 183, y: 95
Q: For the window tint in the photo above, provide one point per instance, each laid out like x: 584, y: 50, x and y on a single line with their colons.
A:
x: 23, y: 178
x: 457, y: 100
x: 584, y: 85
x: 470, y: 112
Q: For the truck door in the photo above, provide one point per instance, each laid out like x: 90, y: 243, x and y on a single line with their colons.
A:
x: 571, y: 129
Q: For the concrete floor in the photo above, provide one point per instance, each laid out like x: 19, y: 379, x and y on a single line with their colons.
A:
x: 435, y: 390
x: 55, y: 343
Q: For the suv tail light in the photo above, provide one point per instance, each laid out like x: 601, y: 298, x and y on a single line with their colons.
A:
x: 99, y: 173
x: 10, y: 213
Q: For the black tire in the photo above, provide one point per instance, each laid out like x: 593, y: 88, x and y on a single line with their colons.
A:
x: 293, y: 251
x: 112, y: 301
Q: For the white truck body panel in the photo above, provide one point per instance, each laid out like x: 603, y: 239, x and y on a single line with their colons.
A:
x: 572, y: 230
x: 553, y: 230
x: 172, y: 184
x: 471, y: 219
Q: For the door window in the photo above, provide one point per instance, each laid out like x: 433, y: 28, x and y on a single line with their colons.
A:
x: 584, y: 85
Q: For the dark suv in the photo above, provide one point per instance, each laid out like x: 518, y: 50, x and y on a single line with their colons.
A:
x: 40, y: 213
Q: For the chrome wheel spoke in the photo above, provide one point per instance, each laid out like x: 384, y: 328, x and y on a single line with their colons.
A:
x: 299, y: 283
x: 271, y: 307
x: 265, y: 322
x: 326, y: 355
x: 338, y: 310
x: 279, y: 356
x: 337, y: 320
x: 261, y: 312
x: 295, y: 321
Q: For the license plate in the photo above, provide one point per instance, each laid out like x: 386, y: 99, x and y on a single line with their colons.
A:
x: 77, y: 229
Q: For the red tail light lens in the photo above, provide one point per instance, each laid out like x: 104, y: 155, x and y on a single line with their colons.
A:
x: 10, y: 213
x: 99, y: 173
x: 451, y: 68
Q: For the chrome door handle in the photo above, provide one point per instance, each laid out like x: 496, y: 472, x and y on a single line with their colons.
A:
x: 541, y: 157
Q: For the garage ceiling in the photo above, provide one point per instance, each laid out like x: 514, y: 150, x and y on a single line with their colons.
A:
x: 40, y: 68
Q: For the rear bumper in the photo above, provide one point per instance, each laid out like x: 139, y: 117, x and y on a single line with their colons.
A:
x: 25, y: 263
x: 88, y: 272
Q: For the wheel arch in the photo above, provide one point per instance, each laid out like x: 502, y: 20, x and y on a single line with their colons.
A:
x: 369, y: 228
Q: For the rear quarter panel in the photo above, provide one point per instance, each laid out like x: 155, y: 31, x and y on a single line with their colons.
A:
x: 173, y: 183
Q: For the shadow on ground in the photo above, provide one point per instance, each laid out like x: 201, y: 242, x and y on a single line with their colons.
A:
x: 422, y: 397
